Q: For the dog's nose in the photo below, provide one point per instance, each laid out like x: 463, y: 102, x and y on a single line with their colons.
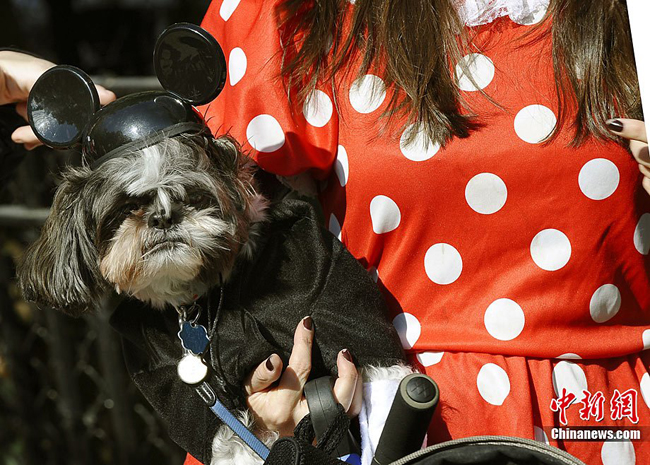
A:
x: 161, y: 220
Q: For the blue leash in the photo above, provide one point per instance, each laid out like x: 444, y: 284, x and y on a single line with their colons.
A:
x: 207, y: 394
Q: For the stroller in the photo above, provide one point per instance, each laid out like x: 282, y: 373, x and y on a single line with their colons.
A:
x: 403, y: 434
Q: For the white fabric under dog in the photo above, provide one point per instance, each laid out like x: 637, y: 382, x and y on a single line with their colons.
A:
x: 378, y: 394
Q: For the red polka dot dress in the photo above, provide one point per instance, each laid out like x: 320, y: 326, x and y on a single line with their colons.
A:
x: 517, y: 271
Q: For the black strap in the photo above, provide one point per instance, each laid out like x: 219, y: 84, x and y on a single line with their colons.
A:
x: 321, y: 402
x: 328, y: 418
x: 305, y: 430
x: 335, y: 440
x: 294, y: 451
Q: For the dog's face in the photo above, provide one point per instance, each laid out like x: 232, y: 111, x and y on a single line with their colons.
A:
x: 161, y: 224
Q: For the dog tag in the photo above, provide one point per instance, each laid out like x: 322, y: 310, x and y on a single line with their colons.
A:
x: 192, y: 369
x: 193, y: 337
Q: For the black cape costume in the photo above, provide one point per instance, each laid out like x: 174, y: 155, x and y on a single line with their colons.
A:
x: 299, y: 269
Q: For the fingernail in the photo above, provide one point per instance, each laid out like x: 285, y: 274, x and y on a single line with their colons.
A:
x: 615, y: 125
x: 269, y: 363
x: 308, y: 323
x: 347, y: 355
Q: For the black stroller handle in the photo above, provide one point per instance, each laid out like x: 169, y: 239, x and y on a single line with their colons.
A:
x: 408, y: 419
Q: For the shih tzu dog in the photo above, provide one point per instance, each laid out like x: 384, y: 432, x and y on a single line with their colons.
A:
x: 174, y: 221
x: 162, y: 224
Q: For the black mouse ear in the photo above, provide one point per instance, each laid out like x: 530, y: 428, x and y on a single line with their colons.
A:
x: 60, y: 105
x: 189, y: 63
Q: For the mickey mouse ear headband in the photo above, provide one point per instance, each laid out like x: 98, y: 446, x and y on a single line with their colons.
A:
x: 64, y: 110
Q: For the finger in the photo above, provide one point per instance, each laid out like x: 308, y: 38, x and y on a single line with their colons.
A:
x: 640, y: 152
x: 105, y: 96
x: 21, y: 109
x: 645, y: 171
x: 345, y: 385
x: 267, y: 373
x: 628, y: 128
x: 357, y: 401
x: 646, y: 184
x: 25, y: 135
x: 296, y: 374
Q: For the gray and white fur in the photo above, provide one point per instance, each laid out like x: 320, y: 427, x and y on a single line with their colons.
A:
x: 162, y: 224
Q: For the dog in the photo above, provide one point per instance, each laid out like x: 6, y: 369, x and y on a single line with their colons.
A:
x: 162, y: 225
x: 170, y: 225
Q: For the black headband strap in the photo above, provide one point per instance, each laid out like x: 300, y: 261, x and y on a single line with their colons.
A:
x: 180, y: 128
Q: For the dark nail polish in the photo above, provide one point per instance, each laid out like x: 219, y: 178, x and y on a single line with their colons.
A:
x: 269, y: 364
x: 308, y: 323
x: 348, y: 356
x: 615, y: 125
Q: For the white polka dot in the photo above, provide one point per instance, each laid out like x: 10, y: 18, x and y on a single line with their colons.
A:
x: 534, y: 123
x: 228, y: 7
x: 374, y: 273
x: 570, y: 376
x: 479, y: 67
x: 550, y: 249
x: 642, y: 234
x: 532, y: 18
x: 645, y: 388
x: 493, y: 384
x: 540, y: 435
x: 645, y: 337
x: 237, y: 64
x: 504, y: 319
x: 421, y: 148
x: 486, y: 193
x: 618, y: 452
x: 265, y: 134
x: 385, y: 214
x: 408, y: 328
x: 334, y: 226
x: 569, y: 356
x: 318, y: 108
x: 605, y: 303
x: 429, y: 358
x: 598, y: 179
x: 367, y: 93
x: 443, y: 264
x: 342, y: 166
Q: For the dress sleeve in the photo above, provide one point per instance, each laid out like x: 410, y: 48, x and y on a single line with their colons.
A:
x: 283, y: 138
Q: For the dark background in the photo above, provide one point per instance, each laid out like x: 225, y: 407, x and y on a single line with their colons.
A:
x: 65, y: 397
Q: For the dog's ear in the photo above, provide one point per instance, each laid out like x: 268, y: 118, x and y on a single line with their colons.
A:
x: 228, y: 158
x: 226, y: 154
x: 60, y: 269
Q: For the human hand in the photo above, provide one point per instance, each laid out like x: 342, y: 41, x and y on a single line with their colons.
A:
x: 280, y: 407
x: 635, y: 132
x: 18, y: 73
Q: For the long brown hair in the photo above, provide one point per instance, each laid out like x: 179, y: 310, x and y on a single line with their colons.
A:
x: 417, y: 43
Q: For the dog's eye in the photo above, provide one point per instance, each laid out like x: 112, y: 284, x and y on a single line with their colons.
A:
x: 130, y: 207
x: 198, y: 198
